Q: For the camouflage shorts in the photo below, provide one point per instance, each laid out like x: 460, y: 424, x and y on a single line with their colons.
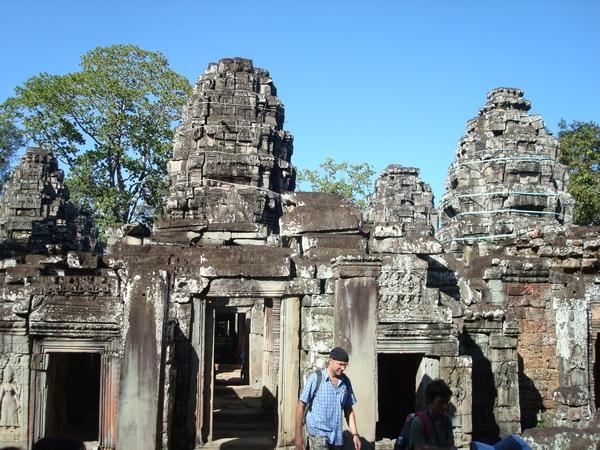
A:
x: 320, y: 443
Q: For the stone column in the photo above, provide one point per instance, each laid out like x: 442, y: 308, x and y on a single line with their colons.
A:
x: 202, y: 369
x: 289, y: 365
x: 355, y: 330
x: 457, y: 372
x: 140, y: 399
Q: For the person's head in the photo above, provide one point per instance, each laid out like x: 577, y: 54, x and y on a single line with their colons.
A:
x: 338, y: 361
x: 59, y: 443
x: 437, y: 395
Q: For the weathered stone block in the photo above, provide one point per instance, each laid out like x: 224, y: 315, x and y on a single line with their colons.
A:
x: 79, y: 260
x: 412, y: 245
x: 303, y: 286
x: 570, y: 396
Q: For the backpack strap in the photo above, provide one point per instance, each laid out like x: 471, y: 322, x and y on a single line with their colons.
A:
x: 425, y: 421
x: 310, y: 402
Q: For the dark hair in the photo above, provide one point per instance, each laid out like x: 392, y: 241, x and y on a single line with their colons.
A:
x: 437, y: 388
x: 59, y: 443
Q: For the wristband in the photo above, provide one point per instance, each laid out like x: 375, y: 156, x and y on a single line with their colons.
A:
x: 355, y: 434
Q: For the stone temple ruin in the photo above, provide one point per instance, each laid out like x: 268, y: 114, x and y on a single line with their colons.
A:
x: 494, y: 291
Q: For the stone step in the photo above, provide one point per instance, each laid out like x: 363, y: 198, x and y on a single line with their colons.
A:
x: 247, y: 443
x: 241, y: 391
x: 239, y: 416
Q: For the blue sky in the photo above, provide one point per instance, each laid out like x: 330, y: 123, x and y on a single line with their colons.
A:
x: 383, y: 82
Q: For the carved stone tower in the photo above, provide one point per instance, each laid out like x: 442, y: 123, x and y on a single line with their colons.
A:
x: 231, y: 157
x: 36, y: 216
x: 505, y: 177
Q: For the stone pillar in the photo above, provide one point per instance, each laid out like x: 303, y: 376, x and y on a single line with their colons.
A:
x: 457, y: 372
x: 14, y: 388
x: 202, y: 369
x: 256, y: 345
x: 572, y: 351
x: 140, y: 399
x: 289, y: 365
x: 355, y: 330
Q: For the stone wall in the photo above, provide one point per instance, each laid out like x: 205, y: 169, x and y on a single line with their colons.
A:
x: 531, y: 304
x: 501, y: 301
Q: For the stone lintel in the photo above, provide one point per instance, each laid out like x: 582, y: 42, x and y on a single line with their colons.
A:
x: 447, y: 346
x: 79, y: 314
x: 247, y: 261
x: 240, y: 287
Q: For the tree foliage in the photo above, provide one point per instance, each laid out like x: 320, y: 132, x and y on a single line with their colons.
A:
x: 111, y: 124
x: 580, y: 152
x: 11, y: 140
x: 350, y: 180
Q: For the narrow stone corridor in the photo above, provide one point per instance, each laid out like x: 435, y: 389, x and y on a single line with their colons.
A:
x: 239, y: 419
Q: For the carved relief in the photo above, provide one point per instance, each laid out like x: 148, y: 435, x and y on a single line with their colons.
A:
x: 10, y: 405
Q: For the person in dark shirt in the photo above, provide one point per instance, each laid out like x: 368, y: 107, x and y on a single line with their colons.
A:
x: 441, y: 437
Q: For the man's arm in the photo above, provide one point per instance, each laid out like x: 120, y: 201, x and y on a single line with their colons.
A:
x: 299, y: 441
x: 351, y: 419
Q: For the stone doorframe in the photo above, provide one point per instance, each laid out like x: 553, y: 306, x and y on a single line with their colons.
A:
x: 109, y: 377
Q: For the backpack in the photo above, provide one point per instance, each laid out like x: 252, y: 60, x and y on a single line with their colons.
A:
x: 404, y: 438
x: 310, y: 402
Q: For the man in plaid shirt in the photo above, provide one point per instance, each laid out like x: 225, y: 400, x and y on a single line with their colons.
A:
x: 324, y: 417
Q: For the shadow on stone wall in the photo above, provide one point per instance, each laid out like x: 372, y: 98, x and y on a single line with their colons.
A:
x: 485, y: 428
x: 530, y: 400
x: 183, y: 430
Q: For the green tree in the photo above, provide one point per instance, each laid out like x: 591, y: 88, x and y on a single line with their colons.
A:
x: 580, y: 152
x: 350, y: 180
x: 111, y: 124
x: 11, y: 140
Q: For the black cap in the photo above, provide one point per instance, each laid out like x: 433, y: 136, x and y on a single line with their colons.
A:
x: 339, y: 354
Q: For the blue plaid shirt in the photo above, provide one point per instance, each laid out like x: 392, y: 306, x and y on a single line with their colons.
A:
x: 325, y: 417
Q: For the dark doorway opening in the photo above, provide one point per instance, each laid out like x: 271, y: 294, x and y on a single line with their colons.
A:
x: 73, y: 407
x: 230, y: 329
x: 396, y: 394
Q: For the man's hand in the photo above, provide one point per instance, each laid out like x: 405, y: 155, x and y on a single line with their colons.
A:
x: 356, y: 439
x: 300, y: 445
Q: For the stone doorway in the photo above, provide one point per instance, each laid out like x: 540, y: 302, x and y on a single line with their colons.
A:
x: 397, y: 391
x: 242, y: 407
x: 73, y: 405
x: 79, y: 376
